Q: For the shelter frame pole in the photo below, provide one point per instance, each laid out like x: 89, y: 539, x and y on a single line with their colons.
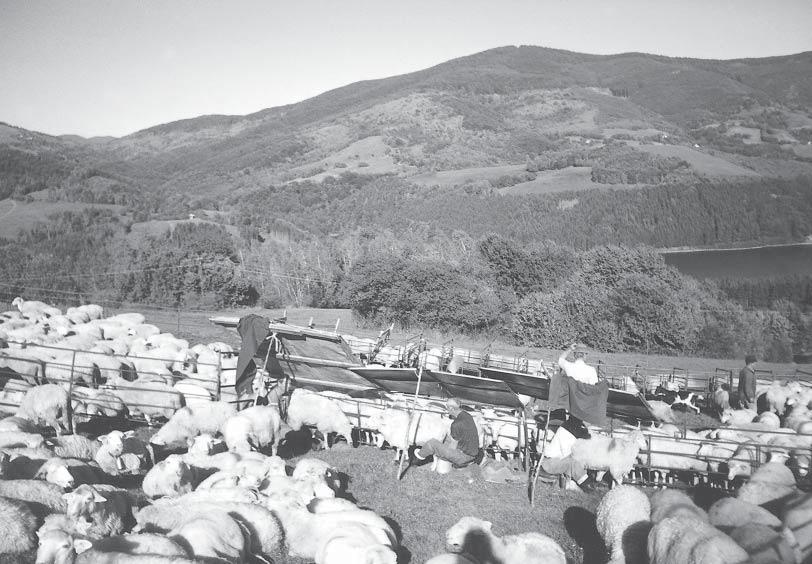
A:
x: 541, y: 457
x: 403, y: 453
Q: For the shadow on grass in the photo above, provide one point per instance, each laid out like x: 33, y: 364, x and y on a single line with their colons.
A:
x: 580, y: 524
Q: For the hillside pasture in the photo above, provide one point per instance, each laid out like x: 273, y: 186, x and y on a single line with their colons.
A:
x: 570, y: 179
x: 365, y: 156
x: 17, y: 216
x: 701, y: 162
x: 157, y: 227
x: 447, y: 178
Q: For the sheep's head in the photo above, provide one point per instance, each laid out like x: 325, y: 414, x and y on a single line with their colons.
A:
x: 82, y: 502
x: 114, y: 442
x: 738, y: 468
x: 56, y: 472
x: 275, y: 466
x: 17, y: 302
x: 201, y: 445
x: 463, y: 531
x: 55, y: 547
x: 637, y: 438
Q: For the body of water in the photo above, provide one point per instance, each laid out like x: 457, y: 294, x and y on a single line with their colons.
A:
x: 760, y: 262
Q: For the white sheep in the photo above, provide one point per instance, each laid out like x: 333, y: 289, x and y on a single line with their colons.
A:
x: 300, y: 491
x: 43, y: 497
x: 305, y: 531
x: 54, y: 470
x: 674, y: 503
x: 318, y: 469
x: 623, y: 521
x: 74, y: 446
x: 737, y: 417
x: 193, y: 420
x: 46, y: 404
x: 18, y: 525
x: 769, y: 482
x: 674, y: 454
x: 149, y: 398
x: 57, y: 546
x: 685, y: 540
x: 615, y: 454
x: 720, y: 399
x: 193, y: 393
x: 266, y: 532
x: 211, y: 535
x: 98, y: 512
x: 730, y: 512
x: 769, y: 419
x: 20, y: 439
x: 401, y: 428
x: 122, y: 453
x: 763, y: 543
x: 355, y: 542
x: 310, y: 408
x: 33, y: 309
x: 256, y: 427
x: 474, y: 536
x: 170, y: 477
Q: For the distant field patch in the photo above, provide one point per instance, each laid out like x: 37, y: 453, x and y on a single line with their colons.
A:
x: 18, y: 216
x: 365, y: 156
x: 159, y: 226
x: 461, y: 176
x: 703, y: 163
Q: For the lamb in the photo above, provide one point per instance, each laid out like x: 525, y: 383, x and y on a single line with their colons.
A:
x: 474, y: 536
x: 88, y: 403
x: 253, y: 428
x: 681, y: 540
x: 46, y: 404
x: 33, y: 309
x: 615, y: 454
x: 355, y: 542
x: 20, y: 439
x: 29, y: 367
x: 42, y: 497
x: 769, y: 419
x: 623, y: 521
x: 763, y: 544
x: 737, y: 417
x: 121, y: 452
x: 60, y: 547
x: 402, y: 428
x: 777, y: 395
x: 74, y: 446
x: 746, y: 458
x: 18, y: 424
x: 149, y: 398
x: 309, y: 408
x: 170, y: 477
x: 720, y: 399
x: 193, y: 420
x: 266, y: 534
x: 730, y: 512
x: 305, y: 532
x: 675, y: 454
x: 317, y: 469
x: 769, y: 482
x: 303, y: 489
x: 18, y: 525
x: 98, y: 512
x: 213, y: 535
x: 672, y: 504
x: 61, y: 472
x: 193, y: 393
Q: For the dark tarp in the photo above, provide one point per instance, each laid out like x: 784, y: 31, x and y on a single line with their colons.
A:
x: 253, y: 330
x: 584, y: 401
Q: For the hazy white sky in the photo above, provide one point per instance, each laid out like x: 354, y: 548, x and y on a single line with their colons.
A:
x: 112, y: 67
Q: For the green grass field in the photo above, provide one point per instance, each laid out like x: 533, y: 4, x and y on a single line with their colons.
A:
x: 16, y: 216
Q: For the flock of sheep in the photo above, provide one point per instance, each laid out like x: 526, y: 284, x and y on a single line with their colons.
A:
x: 228, y: 498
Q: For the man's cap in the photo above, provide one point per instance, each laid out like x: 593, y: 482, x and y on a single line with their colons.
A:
x: 452, y: 402
x: 581, y: 348
x: 750, y: 358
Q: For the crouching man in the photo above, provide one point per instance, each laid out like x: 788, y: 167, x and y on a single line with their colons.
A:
x: 461, y: 446
x: 558, y: 465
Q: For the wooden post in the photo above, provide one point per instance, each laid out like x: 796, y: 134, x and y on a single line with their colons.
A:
x: 401, y: 471
x: 219, y: 373
x: 541, y: 457
x: 69, y: 415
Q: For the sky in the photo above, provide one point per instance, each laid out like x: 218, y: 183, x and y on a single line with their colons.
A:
x: 112, y: 67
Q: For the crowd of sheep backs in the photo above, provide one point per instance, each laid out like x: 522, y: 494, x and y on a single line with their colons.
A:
x: 223, y: 495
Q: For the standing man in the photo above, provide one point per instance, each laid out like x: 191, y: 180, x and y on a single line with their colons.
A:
x: 578, y: 369
x: 747, y: 383
x: 461, y: 447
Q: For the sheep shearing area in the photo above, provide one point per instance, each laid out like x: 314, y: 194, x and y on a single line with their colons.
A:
x: 123, y: 443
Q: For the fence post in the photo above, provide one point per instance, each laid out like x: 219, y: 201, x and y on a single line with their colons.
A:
x: 70, y: 394
x: 219, y: 373
x: 178, y: 313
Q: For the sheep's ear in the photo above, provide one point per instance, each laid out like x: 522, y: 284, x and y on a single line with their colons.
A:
x: 127, y: 434
x: 487, y: 525
x: 103, y: 439
x: 98, y: 498
x: 81, y: 545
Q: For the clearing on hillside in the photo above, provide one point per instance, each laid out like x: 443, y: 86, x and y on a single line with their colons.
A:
x: 702, y: 162
x: 16, y: 216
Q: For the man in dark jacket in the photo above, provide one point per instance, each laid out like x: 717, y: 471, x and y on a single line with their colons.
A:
x: 461, y: 447
x: 747, y: 383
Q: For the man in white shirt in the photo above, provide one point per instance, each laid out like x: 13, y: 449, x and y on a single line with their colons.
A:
x: 578, y: 369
